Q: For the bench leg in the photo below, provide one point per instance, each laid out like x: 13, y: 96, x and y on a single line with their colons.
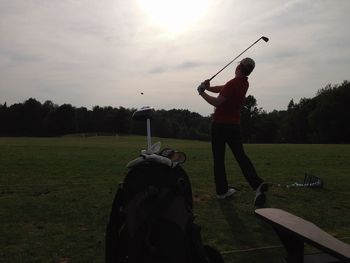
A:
x: 293, y: 245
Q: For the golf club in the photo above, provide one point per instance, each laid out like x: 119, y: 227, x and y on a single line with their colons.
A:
x: 145, y: 113
x: 263, y: 38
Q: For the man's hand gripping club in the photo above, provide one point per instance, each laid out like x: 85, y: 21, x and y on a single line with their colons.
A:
x: 203, y: 86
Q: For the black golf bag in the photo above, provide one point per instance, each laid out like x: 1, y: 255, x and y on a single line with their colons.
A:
x: 152, y: 219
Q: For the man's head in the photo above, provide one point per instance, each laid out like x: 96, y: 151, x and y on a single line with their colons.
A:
x: 246, y: 66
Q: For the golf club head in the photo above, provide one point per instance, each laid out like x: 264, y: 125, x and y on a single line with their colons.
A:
x: 143, y: 113
x: 266, y: 39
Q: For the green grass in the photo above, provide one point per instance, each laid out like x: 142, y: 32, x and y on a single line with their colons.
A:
x: 56, y: 195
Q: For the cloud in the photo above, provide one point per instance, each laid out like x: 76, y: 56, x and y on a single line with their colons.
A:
x: 104, y: 52
x: 158, y: 70
x: 189, y: 64
x: 186, y: 65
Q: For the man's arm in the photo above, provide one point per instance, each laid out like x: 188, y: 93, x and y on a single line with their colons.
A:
x: 214, y: 89
x: 215, y: 101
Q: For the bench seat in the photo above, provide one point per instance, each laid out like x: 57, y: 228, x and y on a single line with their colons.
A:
x: 294, y: 231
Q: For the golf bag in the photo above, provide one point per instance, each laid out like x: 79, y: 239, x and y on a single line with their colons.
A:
x: 152, y: 219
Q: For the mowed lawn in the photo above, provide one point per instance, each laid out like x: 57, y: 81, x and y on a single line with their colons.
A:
x: 56, y: 195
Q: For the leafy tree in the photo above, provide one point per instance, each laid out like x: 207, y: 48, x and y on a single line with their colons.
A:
x: 268, y: 128
x: 122, y: 118
x: 330, y: 119
x: 82, y: 120
x: 3, y: 119
x: 32, y: 119
x: 249, y: 115
x: 60, y: 121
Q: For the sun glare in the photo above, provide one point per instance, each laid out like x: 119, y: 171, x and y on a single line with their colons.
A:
x: 174, y: 15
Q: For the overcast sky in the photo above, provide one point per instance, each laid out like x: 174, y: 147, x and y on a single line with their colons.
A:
x: 106, y: 52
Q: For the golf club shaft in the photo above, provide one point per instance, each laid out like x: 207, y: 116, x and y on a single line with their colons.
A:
x: 149, y: 143
x: 264, y: 38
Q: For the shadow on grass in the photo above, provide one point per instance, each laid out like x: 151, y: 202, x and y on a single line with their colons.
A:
x: 239, y: 230
x: 250, y: 235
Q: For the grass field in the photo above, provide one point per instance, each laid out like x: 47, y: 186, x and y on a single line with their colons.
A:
x: 56, y: 195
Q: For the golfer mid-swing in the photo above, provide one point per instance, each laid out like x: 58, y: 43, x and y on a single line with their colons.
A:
x: 225, y: 128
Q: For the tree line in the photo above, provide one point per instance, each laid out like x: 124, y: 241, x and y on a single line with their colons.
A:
x: 324, y: 118
x: 32, y: 118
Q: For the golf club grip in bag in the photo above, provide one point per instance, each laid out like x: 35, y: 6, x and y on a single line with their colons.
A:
x: 152, y: 219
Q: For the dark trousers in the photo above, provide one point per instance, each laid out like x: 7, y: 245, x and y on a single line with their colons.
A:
x: 230, y: 134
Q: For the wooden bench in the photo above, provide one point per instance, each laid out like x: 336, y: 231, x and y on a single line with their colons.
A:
x: 294, y: 231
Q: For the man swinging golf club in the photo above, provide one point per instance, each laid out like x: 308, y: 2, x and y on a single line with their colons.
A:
x: 225, y: 128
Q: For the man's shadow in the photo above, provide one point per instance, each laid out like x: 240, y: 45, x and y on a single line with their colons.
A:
x: 239, y: 230
x: 250, y: 232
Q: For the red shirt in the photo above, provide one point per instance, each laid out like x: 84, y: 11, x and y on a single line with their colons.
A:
x: 230, y: 110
